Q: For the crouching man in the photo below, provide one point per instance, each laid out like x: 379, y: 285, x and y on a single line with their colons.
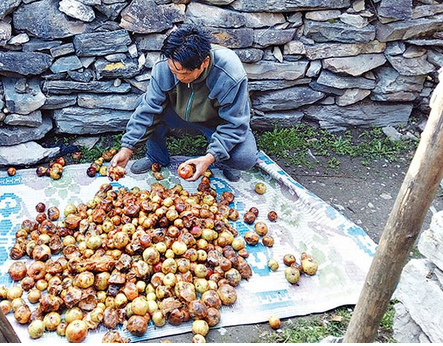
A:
x: 196, y: 86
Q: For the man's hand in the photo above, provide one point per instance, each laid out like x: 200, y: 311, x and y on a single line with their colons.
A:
x: 201, y: 165
x: 121, y: 158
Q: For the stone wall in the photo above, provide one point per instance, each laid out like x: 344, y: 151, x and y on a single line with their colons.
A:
x: 418, y: 315
x: 78, y: 66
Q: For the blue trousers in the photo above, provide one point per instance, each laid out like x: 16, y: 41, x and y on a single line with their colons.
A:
x: 243, y: 156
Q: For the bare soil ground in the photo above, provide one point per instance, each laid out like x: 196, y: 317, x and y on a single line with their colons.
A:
x: 364, y: 194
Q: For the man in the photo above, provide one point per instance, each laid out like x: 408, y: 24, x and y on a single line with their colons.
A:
x: 197, y: 86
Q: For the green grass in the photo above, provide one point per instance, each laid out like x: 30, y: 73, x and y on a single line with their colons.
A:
x: 301, y: 145
x: 187, y: 145
x: 304, y: 145
x: 315, y: 328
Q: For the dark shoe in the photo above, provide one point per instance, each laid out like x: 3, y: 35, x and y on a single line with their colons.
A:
x: 141, y: 166
x: 232, y: 174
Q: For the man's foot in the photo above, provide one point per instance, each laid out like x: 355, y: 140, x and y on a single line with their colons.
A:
x: 141, y: 166
x: 232, y: 174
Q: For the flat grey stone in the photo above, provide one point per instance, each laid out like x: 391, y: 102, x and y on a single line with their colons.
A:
x: 326, y: 89
x: 414, y: 52
x: 69, y: 87
x: 218, y: 2
x: 314, y: 69
x: 151, y: 58
x: 19, y: 39
x: 282, y: 119
x: 102, y: 43
x: 398, y: 10
x: 395, y: 48
x: 411, y: 67
x: 330, y: 50
x: 12, y: 135
x: 272, y: 37
x: 404, y: 30
x: 359, y: 5
x: 233, y: 38
x: 435, y: 58
x: 113, y: 11
x: 77, y: 10
x: 338, y: 32
x: 296, y: 19
x: 404, y: 327
x: 84, y: 76
x: 116, y: 57
x: 391, y: 86
x: 23, y: 101
x: 33, y: 119
x: 220, y: 17
x: 35, y: 44
x: 66, y: 63
x: 122, y: 69
x: 145, y: 17
x: 352, y: 96
x: 356, y: 65
x: 419, y: 291
x: 262, y: 19
x: 249, y: 55
x: 44, y: 20
x: 275, y: 84
x: 322, y: 16
x: 24, y: 63
x: 432, y: 43
x: 91, y: 2
x: 286, y: 99
x: 426, y: 11
x: 82, y: 121
x: 5, y: 32
x: 7, y: 6
x: 354, y: 20
x: 287, y: 6
x: 122, y: 102
x: 59, y: 101
x: 272, y: 70
x: 150, y: 42
x: 344, y: 82
x: 28, y: 153
x: 364, y: 114
x: 294, y: 47
x: 61, y: 50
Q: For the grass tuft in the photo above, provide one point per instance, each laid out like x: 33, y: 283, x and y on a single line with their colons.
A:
x: 304, y: 145
x: 315, y: 328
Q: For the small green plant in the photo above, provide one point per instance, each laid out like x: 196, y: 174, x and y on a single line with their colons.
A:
x: 187, y: 145
x: 334, y: 323
x: 415, y: 253
x: 304, y: 145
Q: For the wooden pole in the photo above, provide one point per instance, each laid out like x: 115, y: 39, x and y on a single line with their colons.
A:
x: 7, y: 333
x: 403, y: 226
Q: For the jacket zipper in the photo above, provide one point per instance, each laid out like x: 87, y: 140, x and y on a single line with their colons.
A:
x: 188, y: 106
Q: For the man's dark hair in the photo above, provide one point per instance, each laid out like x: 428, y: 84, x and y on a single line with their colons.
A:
x: 189, y: 45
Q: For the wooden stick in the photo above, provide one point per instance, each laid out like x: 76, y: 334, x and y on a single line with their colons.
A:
x: 7, y: 333
x: 402, y: 228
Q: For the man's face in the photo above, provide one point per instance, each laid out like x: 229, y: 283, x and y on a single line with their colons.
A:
x: 184, y: 75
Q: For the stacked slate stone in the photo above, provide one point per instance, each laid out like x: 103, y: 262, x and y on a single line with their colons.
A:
x: 418, y: 316
x: 80, y: 66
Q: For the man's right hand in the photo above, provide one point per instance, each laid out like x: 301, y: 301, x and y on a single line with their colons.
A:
x: 121, y: 158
